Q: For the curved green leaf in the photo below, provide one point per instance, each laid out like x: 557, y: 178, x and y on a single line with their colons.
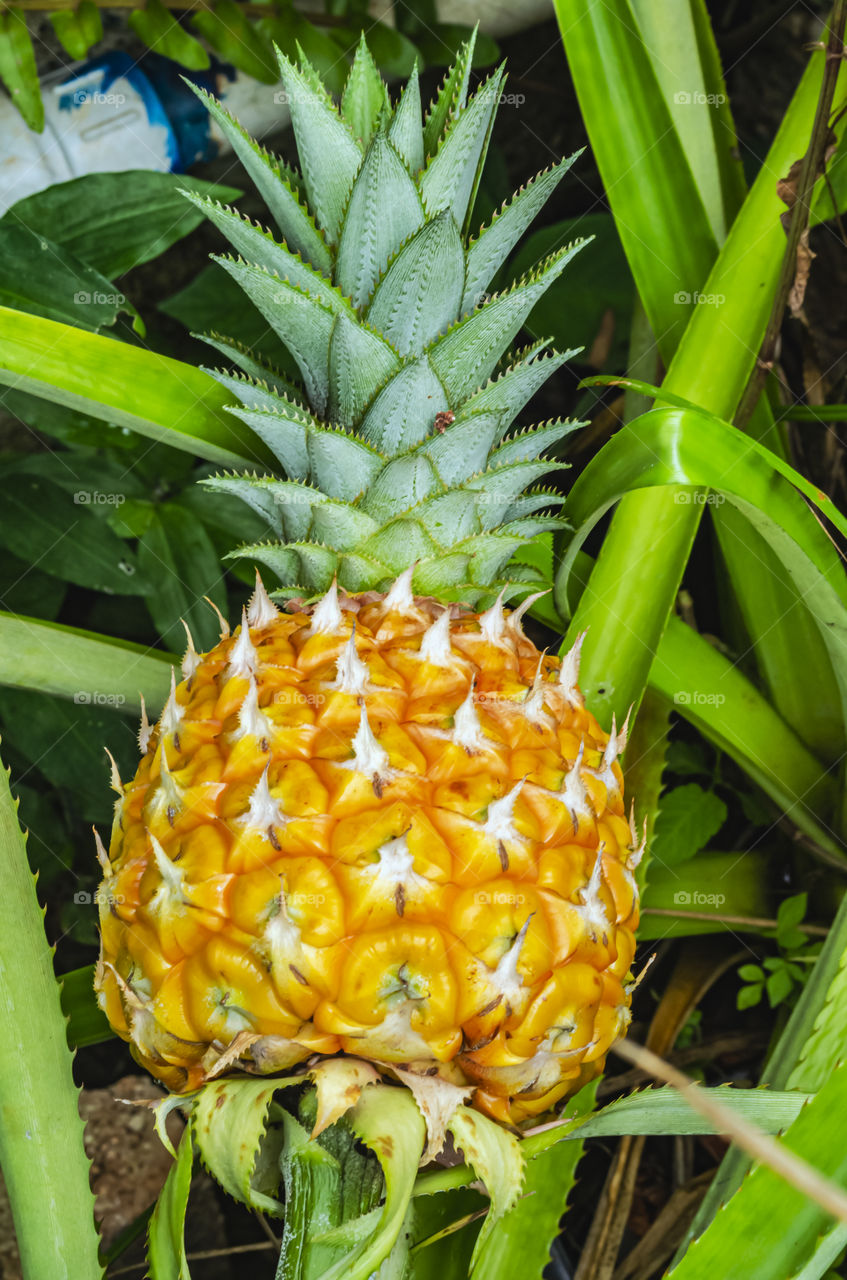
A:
x: 41, y: 1152
x: 80, y: 664
x: 166, y: 1233
x: 161, y: 398
x: 247, y: 1168
x: 17, y: 67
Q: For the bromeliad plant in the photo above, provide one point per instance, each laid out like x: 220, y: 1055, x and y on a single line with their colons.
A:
x: 374, y: 881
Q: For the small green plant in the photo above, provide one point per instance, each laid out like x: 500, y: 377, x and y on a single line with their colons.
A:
x: 781, y: 977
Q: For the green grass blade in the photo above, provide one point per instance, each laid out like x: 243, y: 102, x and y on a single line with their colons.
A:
x: 164, y: 399
x: 767, y: 1223
x: 81, y: 665
x: 634, y: 583
x: 41, y: 1153
x: 166, y: 1233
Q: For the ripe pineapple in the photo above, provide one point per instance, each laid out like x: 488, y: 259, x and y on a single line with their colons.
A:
x: 382, y: 824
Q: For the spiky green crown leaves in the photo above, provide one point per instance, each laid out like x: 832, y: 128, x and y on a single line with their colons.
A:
x: 396, y: 447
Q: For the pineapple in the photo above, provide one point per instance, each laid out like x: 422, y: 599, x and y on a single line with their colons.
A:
x: 378, y: 821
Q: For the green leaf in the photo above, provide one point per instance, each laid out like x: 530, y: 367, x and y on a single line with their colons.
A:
x: 697, y: 449
x: 496, y: 1158
x: 124, y: 384
x: 292, y: 31
x: 166, y: 1233
x: 39, y: 521
x: 177, y: 555
x: 365, y: 95
x: 468, y: 353
x: 451, y: 178
x: 519, y: 1244
x: 420, y: 293
x: 575, y: 310
x: 46, y: 279
x: 247, y: 1169
x: 779, y: 986
x: 688, y: 818
x: 791, y: 913
x: 359, y: 363
x: 751, y: 973
x: 405, y: 131
x: 87, y: 1023
x: 78, y: 29
x: 452, y: 95
x: 45, y: 1168
x: 383, y: 211
x: 767, y: 1222
x: 231, y: 34
x: 290, y: 214
x: 159, y: 29
x: 17, y: 67
x: 489, y: 250
x: 329, y: 154
x: 76, y: 664
x: 115, y: 221
x: 749, y: 997
x: 403, y: 413
x: 387, y: 1121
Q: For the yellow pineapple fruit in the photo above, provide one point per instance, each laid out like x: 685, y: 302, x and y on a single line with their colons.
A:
x: 380, y: 824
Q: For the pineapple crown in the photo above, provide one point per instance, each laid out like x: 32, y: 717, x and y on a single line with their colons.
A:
x: 396, y: 447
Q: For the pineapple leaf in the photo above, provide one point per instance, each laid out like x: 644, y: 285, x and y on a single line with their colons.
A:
x: 488, y: 554
x: 285, y: 435
x: 510, y: 392
x: 450, y: 179
x: 502, y: 486
x: 405, y: 131
x: 419, y: 294
x: 166, y: 1231
x: 533, y: 525
x: 403, y: 413
x: 383, y: 211
x: 359, y: 573
x: 450, y: 517
x: 318, y: 564
x: 451, y: 97
x: 293, y: 219
x: 399, y: 543
x: 329, y: 154
x: 463, y: 449
x: 496, y: 1158
x: 281, y: 560
x: 248, y: 1169
x: 445, y: 576
x: 343, y: 526
x: 249, y: 363
x: 258, y: 246
x: 365, y: 96
x: 342, y: 465
x: 495, y: 242
x: 469, y: 350
x: 302, y: 322
x: 360, y: 361
x: 538, y: 499
x: 404, y: 483
x: 532, y: 441
x: 286, y: 504
x: 256, y: 395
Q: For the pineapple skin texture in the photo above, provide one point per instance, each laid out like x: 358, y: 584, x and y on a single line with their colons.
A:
x: 337, y: 843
